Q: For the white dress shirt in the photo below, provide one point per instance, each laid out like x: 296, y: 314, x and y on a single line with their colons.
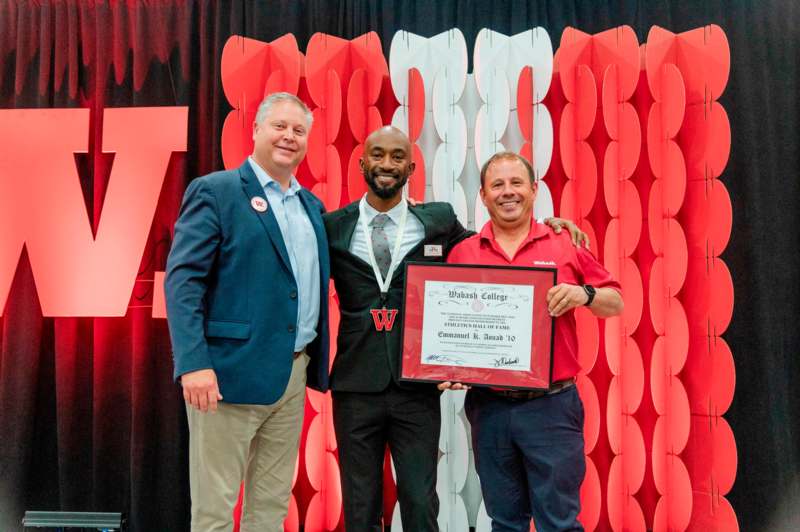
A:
x: 412, y: 236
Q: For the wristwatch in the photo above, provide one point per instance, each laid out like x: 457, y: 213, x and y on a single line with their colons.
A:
x: 590, y: 291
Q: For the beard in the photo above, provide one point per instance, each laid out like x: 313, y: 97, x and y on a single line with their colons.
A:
x: 384, y: 192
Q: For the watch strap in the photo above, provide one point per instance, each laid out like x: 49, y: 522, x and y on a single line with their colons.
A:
x: 590, y: 292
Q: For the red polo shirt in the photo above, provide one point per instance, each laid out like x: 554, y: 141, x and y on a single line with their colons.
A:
x: 543, y: 247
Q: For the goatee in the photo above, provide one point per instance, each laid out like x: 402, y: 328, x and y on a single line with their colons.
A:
x: 384, y: 192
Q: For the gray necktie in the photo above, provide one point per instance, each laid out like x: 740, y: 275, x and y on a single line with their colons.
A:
x: 380, y: 244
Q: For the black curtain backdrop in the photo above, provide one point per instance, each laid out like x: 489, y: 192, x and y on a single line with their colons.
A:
x: 89, y: 416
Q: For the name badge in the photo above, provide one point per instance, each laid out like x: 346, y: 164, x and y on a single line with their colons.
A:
x: 433, y: 250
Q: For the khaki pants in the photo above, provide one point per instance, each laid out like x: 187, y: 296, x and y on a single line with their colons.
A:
x: 254, y: 443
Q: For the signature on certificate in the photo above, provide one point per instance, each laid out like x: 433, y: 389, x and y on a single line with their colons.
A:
x: 505, y: 361
x: 444, y: 359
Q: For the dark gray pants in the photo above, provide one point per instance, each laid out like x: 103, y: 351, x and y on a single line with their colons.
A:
x: 409, y: 422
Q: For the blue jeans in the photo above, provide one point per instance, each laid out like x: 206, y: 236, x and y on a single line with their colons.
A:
x: 529, y: 457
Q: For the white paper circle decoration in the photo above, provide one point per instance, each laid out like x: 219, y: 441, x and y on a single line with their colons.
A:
x: 492, y: 119
x: 531, y: 48
x: 407, y: 51
x: 543, y: 206
x: 481, y: 214
x: 449, y: 50
x: 483, y: 522
x: 400, y: 119
x: 454, y: 462
x: 491, y: 52
x: 445, y: 183
x: 448, y: 117
x: 452, y: 513
x: 542, y: 139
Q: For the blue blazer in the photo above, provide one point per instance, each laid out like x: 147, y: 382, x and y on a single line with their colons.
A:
x: 231, y: 295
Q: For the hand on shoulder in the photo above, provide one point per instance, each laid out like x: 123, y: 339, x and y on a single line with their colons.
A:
x: 578, y: 237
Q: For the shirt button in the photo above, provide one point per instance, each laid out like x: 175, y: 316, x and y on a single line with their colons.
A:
x: 290, y: 328
x: 293, y: 294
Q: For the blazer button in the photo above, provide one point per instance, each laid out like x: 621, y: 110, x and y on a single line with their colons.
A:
x: 290, y: 328
x: 293, y: 294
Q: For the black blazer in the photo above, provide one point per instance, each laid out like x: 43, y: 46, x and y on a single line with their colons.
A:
x: 367, y: 360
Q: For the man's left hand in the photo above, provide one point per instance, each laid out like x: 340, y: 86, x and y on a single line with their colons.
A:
x: 579, y: 238
x: 564, y: 297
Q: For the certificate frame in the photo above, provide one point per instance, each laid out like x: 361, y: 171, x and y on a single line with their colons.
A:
x: 439, y: 368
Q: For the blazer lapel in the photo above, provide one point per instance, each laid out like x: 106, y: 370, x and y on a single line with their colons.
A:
x: 252, y: 188
x: 427, y: 220
x: 346, y: 227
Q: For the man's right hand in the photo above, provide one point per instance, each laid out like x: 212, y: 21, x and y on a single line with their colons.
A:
x: 200, y: 389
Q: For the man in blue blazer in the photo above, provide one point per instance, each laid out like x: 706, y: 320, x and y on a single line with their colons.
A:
x: 247, y: 304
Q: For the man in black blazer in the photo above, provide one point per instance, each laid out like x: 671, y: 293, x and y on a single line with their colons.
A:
x: 370, y: 407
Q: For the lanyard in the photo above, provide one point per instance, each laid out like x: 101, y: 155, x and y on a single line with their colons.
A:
x: 383, y: 284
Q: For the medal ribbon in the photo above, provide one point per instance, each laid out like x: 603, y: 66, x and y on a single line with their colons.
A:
x: 383, y: 284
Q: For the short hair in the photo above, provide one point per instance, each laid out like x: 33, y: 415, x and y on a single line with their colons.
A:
x: 508, y: 156
x: 278, y: 97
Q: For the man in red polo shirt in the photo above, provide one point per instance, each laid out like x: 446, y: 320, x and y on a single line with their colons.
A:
x: 529, y: 445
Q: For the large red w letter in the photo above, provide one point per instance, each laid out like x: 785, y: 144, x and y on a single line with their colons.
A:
x: 42, y: 207
x: 383, y: 318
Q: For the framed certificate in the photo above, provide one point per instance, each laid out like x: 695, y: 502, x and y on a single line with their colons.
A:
x: 478, y: 325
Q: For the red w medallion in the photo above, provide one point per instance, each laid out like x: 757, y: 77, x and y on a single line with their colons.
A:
x: 383, y: 318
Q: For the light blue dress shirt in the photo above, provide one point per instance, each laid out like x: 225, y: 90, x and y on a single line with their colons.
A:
x: 301, y: 245
x: 412, y: 236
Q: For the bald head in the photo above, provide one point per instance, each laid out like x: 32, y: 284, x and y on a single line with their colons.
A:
x: 387, y: 134
x: 386, y: 162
